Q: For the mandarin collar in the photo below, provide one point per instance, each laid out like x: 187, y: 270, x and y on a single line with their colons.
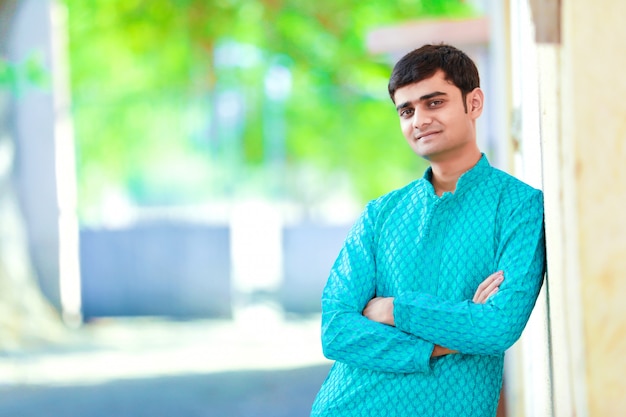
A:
x: 474, y: 175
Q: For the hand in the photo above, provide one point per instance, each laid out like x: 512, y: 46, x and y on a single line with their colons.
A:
x: 441, y: 351
x: 380, y: 309
x: 488, y: 287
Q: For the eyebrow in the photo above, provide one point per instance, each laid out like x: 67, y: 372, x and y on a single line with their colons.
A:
x: 422, y: 98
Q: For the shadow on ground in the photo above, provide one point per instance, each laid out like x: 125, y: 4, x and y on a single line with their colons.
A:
x: 279, y: 393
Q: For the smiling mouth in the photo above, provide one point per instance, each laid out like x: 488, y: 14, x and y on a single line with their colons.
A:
x: 424, y: 135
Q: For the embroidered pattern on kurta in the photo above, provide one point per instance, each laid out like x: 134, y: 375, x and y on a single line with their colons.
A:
x: 431, y: 253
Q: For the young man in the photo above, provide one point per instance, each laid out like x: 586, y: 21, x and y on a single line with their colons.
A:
x: 437, y: 279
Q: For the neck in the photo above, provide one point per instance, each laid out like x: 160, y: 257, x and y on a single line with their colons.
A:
x: 446, y: 173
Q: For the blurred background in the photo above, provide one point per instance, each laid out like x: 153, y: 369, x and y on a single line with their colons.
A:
x: 178, y: 176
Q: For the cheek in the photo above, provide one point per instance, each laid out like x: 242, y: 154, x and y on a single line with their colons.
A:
x: 406, y: 127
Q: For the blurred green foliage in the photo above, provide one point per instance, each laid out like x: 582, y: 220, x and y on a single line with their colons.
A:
x: 15, y: 77
x: 171, y: 100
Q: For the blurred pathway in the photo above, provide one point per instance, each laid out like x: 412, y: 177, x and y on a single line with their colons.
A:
x: 257, y: 365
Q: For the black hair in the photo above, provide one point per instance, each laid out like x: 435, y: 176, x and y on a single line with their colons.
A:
x: 425, y: 61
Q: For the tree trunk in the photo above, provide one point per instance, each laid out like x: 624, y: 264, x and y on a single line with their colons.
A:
x: 26, y: 317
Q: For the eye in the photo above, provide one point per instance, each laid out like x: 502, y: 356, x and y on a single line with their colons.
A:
x: 406, y: 113
x: 435, y: 103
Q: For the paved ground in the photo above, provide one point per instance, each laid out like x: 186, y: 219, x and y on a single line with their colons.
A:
x: 259, y: 365
x: 284, y: 393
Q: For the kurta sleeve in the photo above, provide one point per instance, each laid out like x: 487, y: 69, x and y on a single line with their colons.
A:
x: 490, y: 328
x: 348, y: 336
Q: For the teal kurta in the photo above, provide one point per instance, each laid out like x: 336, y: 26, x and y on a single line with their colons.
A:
x: 431, y: 253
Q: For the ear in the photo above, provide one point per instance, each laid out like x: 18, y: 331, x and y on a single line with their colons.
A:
x: 475, y: 101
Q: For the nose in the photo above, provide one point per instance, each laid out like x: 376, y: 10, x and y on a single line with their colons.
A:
x: 421, y: 119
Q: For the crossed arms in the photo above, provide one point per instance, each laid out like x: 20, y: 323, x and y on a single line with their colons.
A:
x: 402, y: 333
x: 380, y: 309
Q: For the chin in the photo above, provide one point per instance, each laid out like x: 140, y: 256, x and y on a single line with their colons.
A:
x: 421, y: 153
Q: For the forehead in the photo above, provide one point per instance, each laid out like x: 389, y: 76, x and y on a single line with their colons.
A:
x: 438, y: 82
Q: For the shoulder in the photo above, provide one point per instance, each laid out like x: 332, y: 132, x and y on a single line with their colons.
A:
x: 379, y: 210
x: 514, y: 194
x: 399, y: 197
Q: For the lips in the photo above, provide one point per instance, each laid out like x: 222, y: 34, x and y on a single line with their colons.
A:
x: 425, y: 134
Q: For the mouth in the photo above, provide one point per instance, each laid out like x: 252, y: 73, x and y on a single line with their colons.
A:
x: 425, y: 135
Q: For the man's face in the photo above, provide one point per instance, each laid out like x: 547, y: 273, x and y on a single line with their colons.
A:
x: 433, y: 118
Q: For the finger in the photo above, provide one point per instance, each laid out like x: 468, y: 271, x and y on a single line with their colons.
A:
x: 493, y: 292
x: 481, y: 298
x: 484, y: 297
x: 495, y: 283
x: 487, y: 286
x: 488, y: 281
x: 492, y: 283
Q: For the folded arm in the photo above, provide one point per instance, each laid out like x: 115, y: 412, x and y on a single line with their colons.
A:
x: 381, y: 309
x: 492, y: 327
x: 348, y: 336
